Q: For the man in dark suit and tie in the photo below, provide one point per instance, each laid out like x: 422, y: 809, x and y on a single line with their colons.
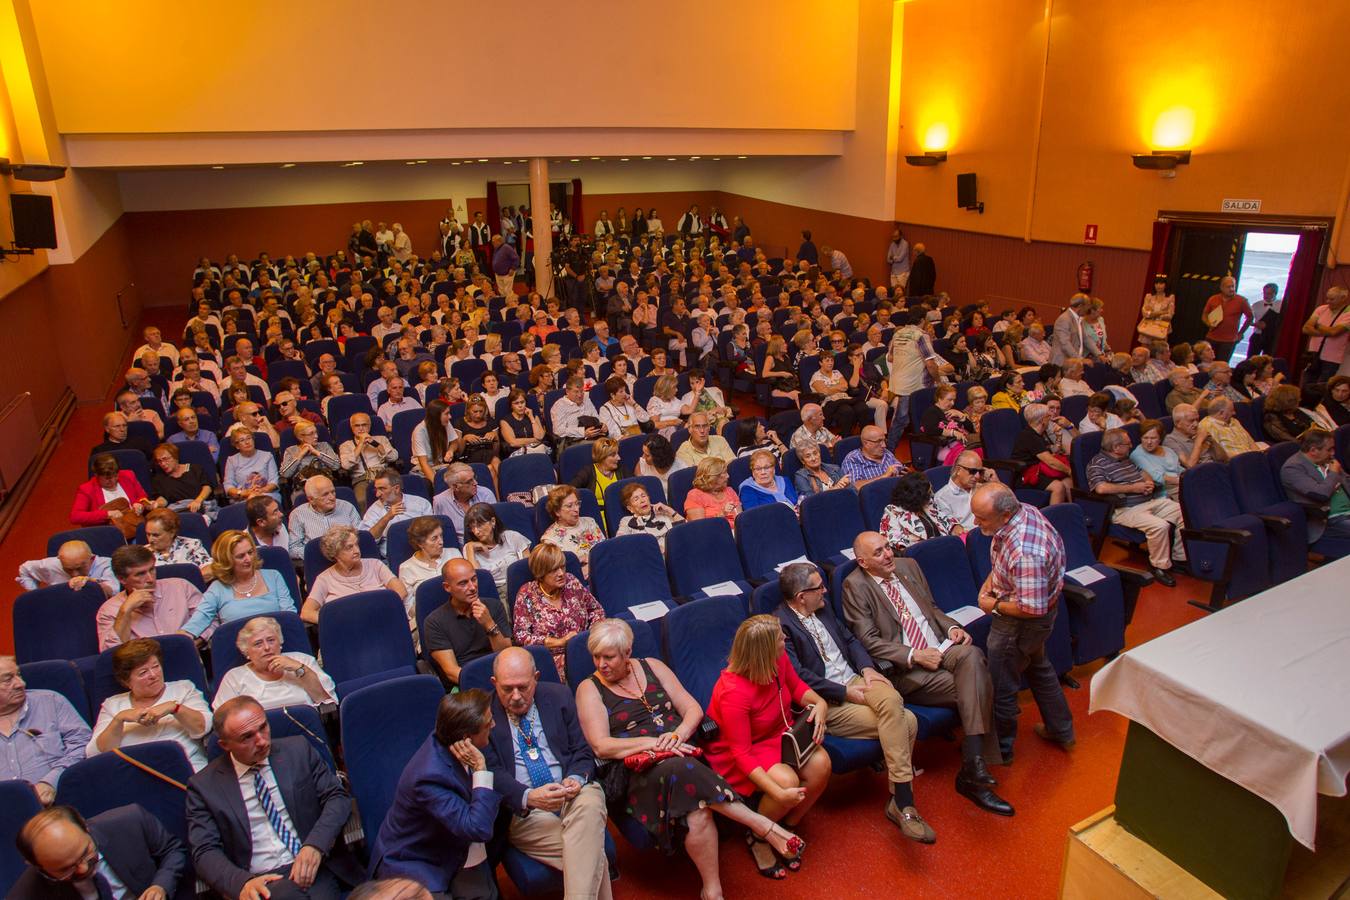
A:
x: 863, y: 704
x: 122, y: 852
x: 890, y: 608
x: 1312, y: 477
x: 267, y: 816
x: 545, y: 771
x: 444, y: 807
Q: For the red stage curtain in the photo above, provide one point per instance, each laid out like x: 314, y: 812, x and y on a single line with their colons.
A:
x: 494, y: 209
x: 578, y: 226
x: 1299, y: 301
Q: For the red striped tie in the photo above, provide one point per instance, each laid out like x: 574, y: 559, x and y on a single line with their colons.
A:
x: 913, y: 633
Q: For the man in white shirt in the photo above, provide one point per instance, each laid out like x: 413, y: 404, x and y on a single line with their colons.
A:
x: 391, y: 505
x: 386, y: 326
x: 570, y: 408
x: 74, y: 565
x: 396, y: 403
x: 462, y: 491
x: 288, y: 841
x: 154, y: 342
x: 237, y: 370
x: 953, y: 499
x: 323, y: 511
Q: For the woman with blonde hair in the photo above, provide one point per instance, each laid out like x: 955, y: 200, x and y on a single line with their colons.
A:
x: 665, y: 407
x: 639, y: 707
x: 777, y: 370
x: 753, y: 703
x: 242, y: 587
x: 711, y: 496
x: 551, y: 609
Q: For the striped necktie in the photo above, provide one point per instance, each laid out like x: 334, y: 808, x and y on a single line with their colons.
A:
x: 913, y: 633
x: 269, y: 805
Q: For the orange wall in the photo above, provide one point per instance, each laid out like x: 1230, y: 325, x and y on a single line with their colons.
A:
x: 316, y: 65
x: 1267, y: 111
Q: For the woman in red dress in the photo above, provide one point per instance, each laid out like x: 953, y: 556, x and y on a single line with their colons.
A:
x: 752, y: 703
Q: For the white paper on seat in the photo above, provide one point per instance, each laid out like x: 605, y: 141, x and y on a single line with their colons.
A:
x: 848, y: 553
x: 783, y: 565
x: 722, y: 589
x: 967, y: 614
x: 1085, y: 575
x: 648, y: 611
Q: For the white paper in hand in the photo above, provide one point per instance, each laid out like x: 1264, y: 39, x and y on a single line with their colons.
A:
x: 942, y: 647
x: 966, y: 614
x: 722, y: 589
x: 648, y: 611
x: 1085, y: 575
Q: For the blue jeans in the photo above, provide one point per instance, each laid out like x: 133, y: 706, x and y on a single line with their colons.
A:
x: 899, y: 420
x: 1016, y: 647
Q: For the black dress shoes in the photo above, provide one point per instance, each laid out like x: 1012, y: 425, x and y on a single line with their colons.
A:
x: 981, y: 794
x: 978, y: 771
x: 1164, y: 577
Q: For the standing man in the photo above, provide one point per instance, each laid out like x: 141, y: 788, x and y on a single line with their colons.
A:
x: 913, y: 364
x: 1022, y: 594
x: 265, y: 818
x: 1227, y: 315
x: 124, y: 852
x: 1266, y: 321
x: 922, y: 274
x: 897, y: 257
x: 1329, y: 326
x: 1067, y: 341
x: 545, y: 772
x: 480, y: 236
x: 505, y: 261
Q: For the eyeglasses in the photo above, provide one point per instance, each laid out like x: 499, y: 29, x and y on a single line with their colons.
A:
x: 86, y: 863
x: 814, y: 589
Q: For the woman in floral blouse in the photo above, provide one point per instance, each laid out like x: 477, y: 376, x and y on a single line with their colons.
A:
x: 553, y: 607
x: 911, y: 516
x: 570, y: 529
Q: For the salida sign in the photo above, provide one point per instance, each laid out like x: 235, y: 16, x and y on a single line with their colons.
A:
x: 1241, y: 206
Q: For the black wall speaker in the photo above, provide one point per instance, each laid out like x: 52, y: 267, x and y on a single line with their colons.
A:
x: 965, y: 190
x: 34, y: 222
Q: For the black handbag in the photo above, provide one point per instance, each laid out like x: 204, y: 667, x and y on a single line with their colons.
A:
x: 798, y: 741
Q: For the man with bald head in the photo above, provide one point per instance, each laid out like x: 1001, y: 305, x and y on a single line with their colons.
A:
x: 265, y: 818
x: 927, y: 655
x: 545, y: 772
x: 117, y: 436
x: 122, y: 852
x: 324, y: 510
x: 466, y: 626
x: 74, y: 565
x: 873, y: 460
x: 1227, y: 314
x: 953, y: 499
x: 1022, y: 594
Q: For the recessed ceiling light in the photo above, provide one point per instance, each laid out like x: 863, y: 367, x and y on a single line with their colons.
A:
x: 595, y: 157
x: 623, y: 159
x: 454, y: 164
x: 217, y: 167
x: 717, y: 159
x: 482, y: 160
x: 506, y: 162
x: 574, y: 160
x: 670, y: 159
x: 421, y: 162
x: 411, y: 162
x: 692, y: 158
x: 646, y: 157
x: 522, y: 160
x: 288, y: 165
x: 741, y: 157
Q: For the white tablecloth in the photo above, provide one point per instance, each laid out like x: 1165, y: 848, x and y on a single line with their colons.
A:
x: 1259, y: 692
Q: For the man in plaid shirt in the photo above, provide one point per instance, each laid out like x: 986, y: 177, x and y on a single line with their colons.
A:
x: 1022, y: 593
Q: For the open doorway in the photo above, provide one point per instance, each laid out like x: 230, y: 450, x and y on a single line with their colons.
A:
x: 1266, y: 259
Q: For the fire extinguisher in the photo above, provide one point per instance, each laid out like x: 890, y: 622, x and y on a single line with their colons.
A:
x: 1085, y: 277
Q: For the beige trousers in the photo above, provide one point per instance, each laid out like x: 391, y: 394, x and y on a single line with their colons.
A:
x: 882, y: 717
x: 1160, y: 521
x: 572, y: 842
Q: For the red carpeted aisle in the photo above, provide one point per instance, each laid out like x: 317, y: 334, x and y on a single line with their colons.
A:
x: 854, y: 851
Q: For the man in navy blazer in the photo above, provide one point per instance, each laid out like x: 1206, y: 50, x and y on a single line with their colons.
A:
x: 545, y: 771
x: 267, y: 815
x: 122, y: 851
x: 863, y: 702
x: 1312, y: 477
x: 442, y: 817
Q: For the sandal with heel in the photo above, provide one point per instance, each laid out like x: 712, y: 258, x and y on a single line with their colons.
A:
x: 774, y: 870
x: 795, y: 847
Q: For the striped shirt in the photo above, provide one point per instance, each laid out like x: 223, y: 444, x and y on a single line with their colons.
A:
x: 1105, y: 468
x: 1028, y: 561
x: 859, y: 468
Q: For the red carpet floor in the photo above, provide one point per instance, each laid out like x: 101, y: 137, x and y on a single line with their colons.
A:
x: 854, y: 851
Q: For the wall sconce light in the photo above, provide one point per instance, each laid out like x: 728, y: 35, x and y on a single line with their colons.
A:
x: 931, y: 158
x: 35, y: 172
x: 1161, y: 159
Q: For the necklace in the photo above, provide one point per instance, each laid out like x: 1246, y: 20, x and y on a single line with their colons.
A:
x: 253, y: 587
x: 658, y: 719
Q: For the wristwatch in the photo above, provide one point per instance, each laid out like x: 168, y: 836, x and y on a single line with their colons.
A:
x: 993, y: 610
x: 300, y: 672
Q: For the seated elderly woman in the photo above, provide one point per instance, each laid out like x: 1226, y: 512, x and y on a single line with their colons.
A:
x: 273, y: 678
x: 711, y: 496
x: 242, y: 587
x: 1284, y: 419
x: 644, y: 516
x: 1159, y: 462
x: 638, y: 707
x: 149, y: 709
x: 765, y: 485
x: 348, y: 574
x: 620, y: 415
x: 553, y: 607
x: 426, y: 538
x: 108, y: 494
x: 814, y: 475
x: 180, y: 486
x: 570, y: 529
x: 249, y: 472
x: 309, y: 455
x: 604, y: 470
x: 753, y: 696
x: 912, y: 516
x: 1041, y: 467
x: 170, y: 547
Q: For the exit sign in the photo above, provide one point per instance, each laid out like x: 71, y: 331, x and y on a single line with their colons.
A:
x: 1241, y: 206
x: 1089, y: 234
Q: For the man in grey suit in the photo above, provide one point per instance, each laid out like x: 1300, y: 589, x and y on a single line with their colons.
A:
x: 265, y: 819
x: 1313, y: 477
x: 1067, y: 341
x: 889, y: 606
